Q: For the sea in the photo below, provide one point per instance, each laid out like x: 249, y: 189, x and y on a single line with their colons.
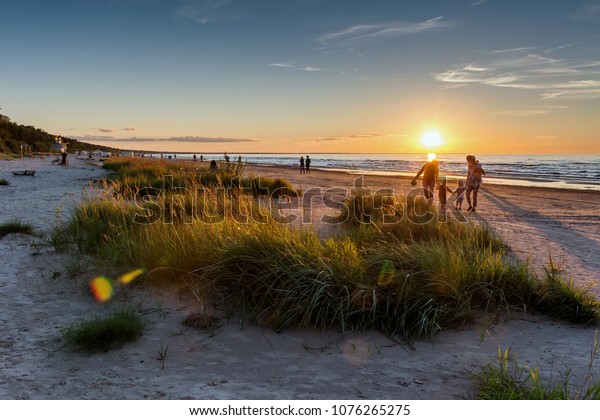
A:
x: 578, y: 172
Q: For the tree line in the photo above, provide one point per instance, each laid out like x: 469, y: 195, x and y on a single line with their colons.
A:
x: 12, y: 135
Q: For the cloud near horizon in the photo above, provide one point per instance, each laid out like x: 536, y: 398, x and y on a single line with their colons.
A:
x: 184, y: 139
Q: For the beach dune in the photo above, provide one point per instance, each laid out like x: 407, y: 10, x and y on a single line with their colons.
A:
x: 241, y: 361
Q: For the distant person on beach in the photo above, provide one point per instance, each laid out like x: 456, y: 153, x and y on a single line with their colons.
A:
x: 474, y: 179
x: 240, y: 159
x: 301, y: 164
x: 460, y: 194
x: 64, y: 157
x: 213, y: 165
x: 194, y: 157
x: 430, y: 171
x: 442, y: 189
x: 201, y: 158
x: 307, y: 164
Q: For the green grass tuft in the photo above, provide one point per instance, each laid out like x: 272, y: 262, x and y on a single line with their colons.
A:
x: 510, y: 381
x: 15, y: 226
x: 4, y: 182
x: 102, y: 334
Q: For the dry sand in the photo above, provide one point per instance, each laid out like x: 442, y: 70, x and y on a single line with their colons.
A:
x: 240, y: 361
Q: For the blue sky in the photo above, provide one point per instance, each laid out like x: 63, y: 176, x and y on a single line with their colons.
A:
x: 313, y: 75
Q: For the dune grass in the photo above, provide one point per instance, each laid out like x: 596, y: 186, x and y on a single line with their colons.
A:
x: 4, y: 182
x: 401, y: 271
x: 100, y: 334
x: 15, y: 226
x: 507, y: 380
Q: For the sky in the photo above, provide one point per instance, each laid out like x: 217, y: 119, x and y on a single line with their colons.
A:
x: 310, y: 76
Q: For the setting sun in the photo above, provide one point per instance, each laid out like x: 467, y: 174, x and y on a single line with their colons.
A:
x: 431, y: 138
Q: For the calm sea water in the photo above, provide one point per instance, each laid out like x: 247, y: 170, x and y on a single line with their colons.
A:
x: 554, y: 171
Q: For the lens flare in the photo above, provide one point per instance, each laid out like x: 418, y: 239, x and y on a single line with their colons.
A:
x: 386, y: 273
x: 102, y: 288
x: 129, y: 277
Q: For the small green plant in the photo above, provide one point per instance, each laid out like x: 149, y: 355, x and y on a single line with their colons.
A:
x: 562, y: 299
x: 15, y: 226
x: 163, y: 353
x: 5, y: 182
x: 103, y: 333
x: 509, y: 381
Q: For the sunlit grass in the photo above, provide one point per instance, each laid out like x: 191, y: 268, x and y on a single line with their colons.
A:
x: 506, y: 379
x: 410, y: 276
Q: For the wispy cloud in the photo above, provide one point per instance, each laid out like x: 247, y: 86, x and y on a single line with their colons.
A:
x: 478, y: 3
x: 290, y: 65
x: 106, y: 130
x: 373, y: 32
x: 524, y: 112
x: 560, y: 47
x: 526, y: 69
x: 129, y: 129
x: 208, y: 11
x: 283, y: 65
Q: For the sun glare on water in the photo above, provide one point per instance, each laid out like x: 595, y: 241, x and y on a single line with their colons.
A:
x: 431, y: 138
x: 430, y: 156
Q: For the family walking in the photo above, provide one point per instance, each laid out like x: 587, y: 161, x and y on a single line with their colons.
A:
x: 468, y: 187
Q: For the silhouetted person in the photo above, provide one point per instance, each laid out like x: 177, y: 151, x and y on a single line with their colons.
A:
x: 194, y: 157
x: 307, y: 164
x: 442, y: 189
x: 430, y: 179
x: 301, y: 164
x: 64, y: 158
x: 213, y: 165
x: 474, y: 179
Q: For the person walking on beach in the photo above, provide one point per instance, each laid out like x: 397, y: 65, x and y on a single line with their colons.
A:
x: 307, y: 164
x: 301, y: 164
x: 474, y: 179
x: 194, y: 157
x: 64, y: 157
x: 430, y: 171
x: 442, y: 189
x: 460, y: 194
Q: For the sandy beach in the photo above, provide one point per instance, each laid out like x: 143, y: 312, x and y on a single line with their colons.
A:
x: 239, y: 361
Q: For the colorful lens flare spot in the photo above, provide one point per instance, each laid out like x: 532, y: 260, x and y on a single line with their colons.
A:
x: 129, y: 277
x: 102, y: 288
x: 386, y: 274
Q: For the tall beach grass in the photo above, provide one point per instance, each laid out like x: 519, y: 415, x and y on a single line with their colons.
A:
x: 402, y: 272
